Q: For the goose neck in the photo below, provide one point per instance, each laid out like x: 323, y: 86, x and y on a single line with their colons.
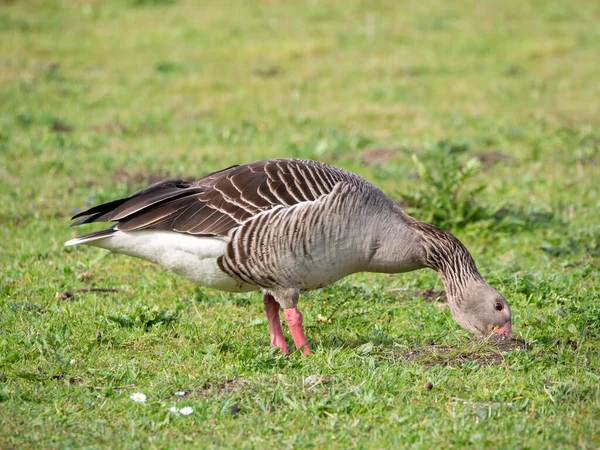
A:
x: 445, y: 254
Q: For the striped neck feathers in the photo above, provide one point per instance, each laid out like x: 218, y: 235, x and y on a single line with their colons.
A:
x: 449, y: 257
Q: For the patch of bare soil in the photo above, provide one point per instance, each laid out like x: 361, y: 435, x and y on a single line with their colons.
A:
x: 434, y: 355
x: 60, y: 127
x: 492, y: 157
x: 506, y: 343
x: 377, y: 156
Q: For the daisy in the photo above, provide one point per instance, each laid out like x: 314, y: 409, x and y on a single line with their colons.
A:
x: 186, y: 411
x: 138, y: 397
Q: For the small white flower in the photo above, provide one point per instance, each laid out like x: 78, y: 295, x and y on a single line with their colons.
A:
x: 173, y: 409
x: 138, y: 397
x: 180, y: 393
x: 186, y: 411
x: 73, y: 362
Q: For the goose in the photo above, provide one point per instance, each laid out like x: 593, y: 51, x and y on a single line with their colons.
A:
x: 285, y: 226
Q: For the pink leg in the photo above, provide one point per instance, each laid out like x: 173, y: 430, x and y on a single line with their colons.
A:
x: 293, y: 317
x: 272, y: 310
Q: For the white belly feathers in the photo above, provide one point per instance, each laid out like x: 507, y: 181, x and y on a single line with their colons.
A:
x: 192, y: 257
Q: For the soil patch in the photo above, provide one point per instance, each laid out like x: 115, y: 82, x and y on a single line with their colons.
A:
x: 506, y: 343
x: 434, y: 355
x: 492, y: 157
x: 60, y: 127
x: 377, y: 156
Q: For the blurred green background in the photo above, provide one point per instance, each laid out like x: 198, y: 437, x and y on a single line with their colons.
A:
x: 479, y: 116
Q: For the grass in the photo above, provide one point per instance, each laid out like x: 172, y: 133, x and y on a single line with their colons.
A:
x: 101, y: 97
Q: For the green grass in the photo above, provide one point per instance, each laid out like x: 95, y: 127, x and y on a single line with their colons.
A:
x: 101, y: 97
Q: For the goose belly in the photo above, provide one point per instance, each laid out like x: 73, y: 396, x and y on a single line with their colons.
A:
x: 319, y: 271
x: 192, y: 257
x: 320, y: 278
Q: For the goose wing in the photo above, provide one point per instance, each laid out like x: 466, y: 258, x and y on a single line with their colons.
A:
x: 220, y: 201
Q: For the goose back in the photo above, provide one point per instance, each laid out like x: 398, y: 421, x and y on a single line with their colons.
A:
x: 221, y: 201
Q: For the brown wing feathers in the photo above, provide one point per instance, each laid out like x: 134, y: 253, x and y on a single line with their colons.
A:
x: 220, y: 201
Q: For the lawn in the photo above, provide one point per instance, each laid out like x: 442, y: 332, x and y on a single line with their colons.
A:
x: 482, y: 117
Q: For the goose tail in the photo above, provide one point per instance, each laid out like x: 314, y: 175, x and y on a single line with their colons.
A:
x: 86, y: 238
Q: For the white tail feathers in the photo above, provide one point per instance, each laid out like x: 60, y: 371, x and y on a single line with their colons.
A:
x: 91, y: 237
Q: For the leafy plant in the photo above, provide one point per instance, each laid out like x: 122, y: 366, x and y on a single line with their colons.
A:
x: 145, y: 317
x: 447, y: 198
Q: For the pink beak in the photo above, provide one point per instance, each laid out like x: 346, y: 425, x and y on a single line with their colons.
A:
x: 506, y: 329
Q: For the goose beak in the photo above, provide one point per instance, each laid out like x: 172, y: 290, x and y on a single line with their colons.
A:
x: 506, y: 329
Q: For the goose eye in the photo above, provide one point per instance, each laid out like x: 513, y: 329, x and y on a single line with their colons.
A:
x: 499, y: 306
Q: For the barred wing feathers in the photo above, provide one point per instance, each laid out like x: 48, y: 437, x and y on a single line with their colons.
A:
x: 221, y: 201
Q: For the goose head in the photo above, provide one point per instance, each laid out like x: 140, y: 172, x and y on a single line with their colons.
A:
x: 481, y: 310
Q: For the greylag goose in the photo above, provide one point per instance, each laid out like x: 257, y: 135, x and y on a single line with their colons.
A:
x: 286, y: 226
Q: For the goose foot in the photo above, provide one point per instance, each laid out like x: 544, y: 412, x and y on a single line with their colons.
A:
x: 272, y: 310
x: 293, y: 317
